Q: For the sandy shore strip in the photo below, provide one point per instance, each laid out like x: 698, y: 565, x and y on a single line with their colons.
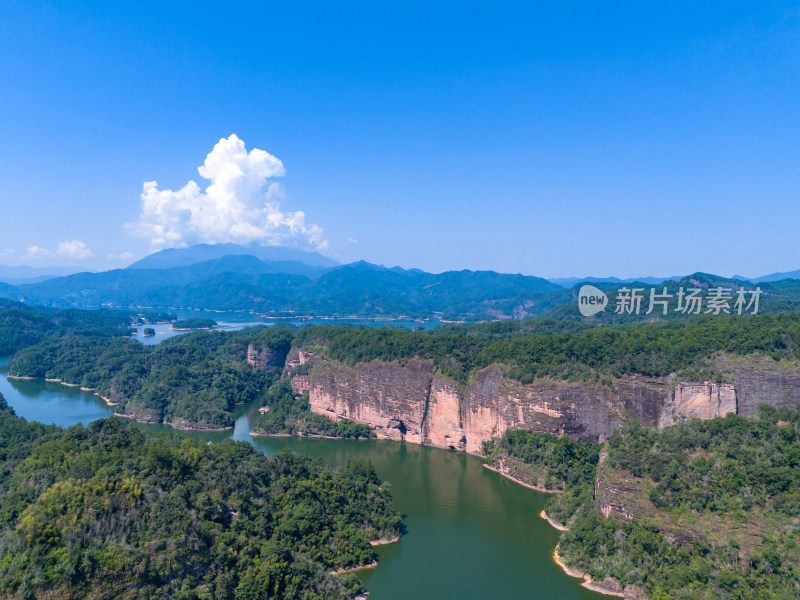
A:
x: 553, y: 523
x: 374, y: 563
x: 371, y: 565
x: 588, y: 582
x: 519, y: 481
x: 108, y: 401
x: 383, y: 541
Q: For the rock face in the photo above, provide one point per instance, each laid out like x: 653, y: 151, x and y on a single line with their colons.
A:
x: 698, y: 401
x: 391, y: 399
x: 262, y: 358
x: 761, y: 380
x: 412, y: 402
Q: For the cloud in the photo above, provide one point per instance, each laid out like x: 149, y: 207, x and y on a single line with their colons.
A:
x: 74, y: 249
x: 240, y: 204
x: 37, y: 252
x: 352, y: 240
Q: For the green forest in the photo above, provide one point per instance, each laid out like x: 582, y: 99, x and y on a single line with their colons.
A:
x: 715, y: 504
x: 22, y: 325
x: 286, y: 412
x: 192, y: 380
x: 194, y: 324
x: 195, y: 380
x: 108, y: 512
x: 557, y: 349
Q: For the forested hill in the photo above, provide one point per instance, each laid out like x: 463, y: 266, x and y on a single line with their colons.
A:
x: 106, y: 511
x: 22, y: 325
x: 556, y: 349
x: 290, y: 288
x: 190, y: 381
x: 700, y: 510
x: 246, y: 283
x: 196, y: 380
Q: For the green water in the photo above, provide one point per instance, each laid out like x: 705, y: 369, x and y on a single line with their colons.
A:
x: 471, y: 534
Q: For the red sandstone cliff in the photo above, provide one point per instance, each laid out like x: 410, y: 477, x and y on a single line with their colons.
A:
x: 412, y: 402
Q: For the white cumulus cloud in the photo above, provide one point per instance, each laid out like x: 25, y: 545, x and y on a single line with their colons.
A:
x: 37, y: 252
x: 240, y: 204
x: 74, y: 249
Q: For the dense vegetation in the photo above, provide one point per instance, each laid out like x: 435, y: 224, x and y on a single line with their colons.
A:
x: 194, y: 324
x: 715, y: 505
x: 648, y: 349
x: 289, y: 413
x: 556, y: 464
x: 196, y: 380
x: 154, y: 317
x: 192, y: 380
x: 246, y: 283
x: 22, y: 325
x: 106, y: 511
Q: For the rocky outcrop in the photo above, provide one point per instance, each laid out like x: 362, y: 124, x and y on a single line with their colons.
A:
x: 698, y: 401
x: 761, y: 380
x: 412, y: 402
x: 262, y: 357
x: 621, y: 497
x: 391, y: 399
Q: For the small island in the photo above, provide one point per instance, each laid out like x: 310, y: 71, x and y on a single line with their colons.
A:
x: 148, y: 332
x: 193, y: 324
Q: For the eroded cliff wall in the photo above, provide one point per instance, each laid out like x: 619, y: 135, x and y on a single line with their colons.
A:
x: 414, y: 403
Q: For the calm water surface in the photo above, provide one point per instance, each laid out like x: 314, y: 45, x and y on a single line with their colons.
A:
x: 232, y: 321
x: 471, y: 534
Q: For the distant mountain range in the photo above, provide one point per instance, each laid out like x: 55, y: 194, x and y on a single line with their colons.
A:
x: 569, y: 282
x: 290, y: 282
x: 773, y: 277
x: 17, y: 275
x: 184, y: 257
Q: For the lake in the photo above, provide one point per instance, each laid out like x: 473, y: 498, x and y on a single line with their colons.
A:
x: 232, y: 321
x: 471, y: 534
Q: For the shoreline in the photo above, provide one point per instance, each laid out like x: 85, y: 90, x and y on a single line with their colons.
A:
x: 588, y: 582
x: 384, y: 541
x: 553, y: 524
x: 520, y: 482
x: 283, y: 317
x: 282, y: 434
x: 193, y: 428
x: 374, y: 563
x: 110, y: 402
x: 371, y: 565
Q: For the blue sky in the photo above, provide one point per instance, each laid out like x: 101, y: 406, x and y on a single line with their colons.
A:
x: 551, y: 139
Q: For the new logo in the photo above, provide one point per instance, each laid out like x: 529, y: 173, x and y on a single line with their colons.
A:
x: 591, y: 300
